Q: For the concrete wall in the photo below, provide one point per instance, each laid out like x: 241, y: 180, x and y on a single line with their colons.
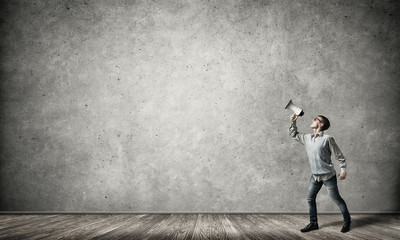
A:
x: 179, y: 105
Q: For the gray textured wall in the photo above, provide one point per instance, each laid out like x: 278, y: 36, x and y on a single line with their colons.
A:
x: 178, y: 105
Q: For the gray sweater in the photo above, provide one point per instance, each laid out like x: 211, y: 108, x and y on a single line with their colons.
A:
x: 319, y: 152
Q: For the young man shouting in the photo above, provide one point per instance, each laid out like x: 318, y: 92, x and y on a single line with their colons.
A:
x: 320, y: 147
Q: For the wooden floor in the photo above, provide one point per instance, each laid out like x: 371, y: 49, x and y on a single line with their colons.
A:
x: 193, y: 226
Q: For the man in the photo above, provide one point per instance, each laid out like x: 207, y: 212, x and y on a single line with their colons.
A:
x: 320, y: 147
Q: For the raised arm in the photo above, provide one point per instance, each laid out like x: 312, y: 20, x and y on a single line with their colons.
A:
x: 293, y: 130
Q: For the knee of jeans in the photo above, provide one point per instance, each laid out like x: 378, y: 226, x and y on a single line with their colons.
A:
x: 336, y: 200
x: 335, y: 197
x: 310, y: 198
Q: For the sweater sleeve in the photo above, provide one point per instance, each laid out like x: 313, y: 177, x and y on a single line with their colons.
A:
x: 337, y: 153
x: 295, y: 134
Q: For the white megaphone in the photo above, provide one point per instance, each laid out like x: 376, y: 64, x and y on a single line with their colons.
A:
x: 298, y: 111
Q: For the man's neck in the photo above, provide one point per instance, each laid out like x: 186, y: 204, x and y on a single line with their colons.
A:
x: 316, y: 131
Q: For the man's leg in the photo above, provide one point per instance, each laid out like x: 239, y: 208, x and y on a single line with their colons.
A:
x: 313, y: 190
x: 333, y: 191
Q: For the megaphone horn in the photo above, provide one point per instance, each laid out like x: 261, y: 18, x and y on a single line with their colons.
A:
x: 298, y: 111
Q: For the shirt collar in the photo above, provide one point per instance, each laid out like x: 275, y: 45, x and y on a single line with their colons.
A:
x: 320, y: 134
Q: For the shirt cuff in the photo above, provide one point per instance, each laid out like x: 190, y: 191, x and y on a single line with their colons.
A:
x: 343, y: 170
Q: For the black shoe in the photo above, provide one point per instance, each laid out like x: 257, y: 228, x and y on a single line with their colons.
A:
x: 310, y: 227
x: 346, y: 227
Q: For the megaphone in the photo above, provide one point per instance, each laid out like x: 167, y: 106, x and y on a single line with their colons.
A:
x: 298, y: 111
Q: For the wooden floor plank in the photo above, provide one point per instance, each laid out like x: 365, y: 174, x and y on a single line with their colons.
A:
x: 12, y: 220
x: 142, y: 229
x: 202, y: 228
x: 82, y: 224
x: 194, y: 226
x: 6, y: 219
x: 111, y: 230
x: 159, y: 228
x: 44, y: 228
x: 119, y: 231
x: 56, y: 229
x: 137, y: 226
x: 176, y: 226
x: 182, y: 227
x: 246, y: 228
x: 213, y: 226
x: 122, y: 228
x: 23, y: 229
x: 21, y: 220
x: 188, y: 222
x: 289, y: 226
x: 87, y: 226
x: 274, y: 226
x: 231, y: 229
x: 105, y: 227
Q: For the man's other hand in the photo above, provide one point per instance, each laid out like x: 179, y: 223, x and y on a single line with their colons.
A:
x: 342, y: 175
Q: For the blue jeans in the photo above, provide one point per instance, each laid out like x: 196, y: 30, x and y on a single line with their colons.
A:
x: 331, y: 185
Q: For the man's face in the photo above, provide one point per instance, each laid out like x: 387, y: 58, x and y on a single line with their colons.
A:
x: 316, y: 122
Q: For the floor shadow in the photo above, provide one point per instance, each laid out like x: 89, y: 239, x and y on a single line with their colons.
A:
x: 364, y: 221
x: 331, y: 224
x: 361, y: 221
